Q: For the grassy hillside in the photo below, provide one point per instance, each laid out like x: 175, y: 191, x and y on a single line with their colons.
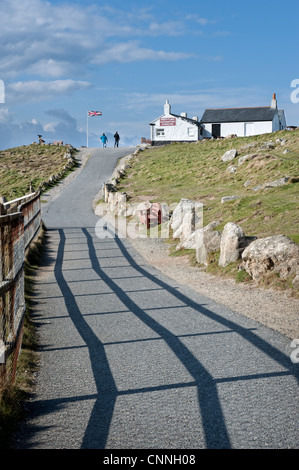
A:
x: 29, y: 164
x: 196, y: 171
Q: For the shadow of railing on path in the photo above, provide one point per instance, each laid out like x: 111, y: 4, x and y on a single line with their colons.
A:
x: 210, y: 410
x: 247, y: 334
x: 99, y: 421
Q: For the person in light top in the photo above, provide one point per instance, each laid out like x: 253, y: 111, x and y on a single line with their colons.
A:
x: 104, y: 140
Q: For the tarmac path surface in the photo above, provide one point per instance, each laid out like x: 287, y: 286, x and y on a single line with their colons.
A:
x: 130, y: 359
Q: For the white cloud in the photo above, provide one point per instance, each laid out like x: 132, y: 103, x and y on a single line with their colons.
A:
x: 51, y: 68
x: 14, y: 134
x: 131, y: 51
x: 49, y: 127
x: 169, y: 28
x: 198, y: 19
x: 41, y: 39
x: 37, y: 91
x: 4, y: 115
x: 196, y: 101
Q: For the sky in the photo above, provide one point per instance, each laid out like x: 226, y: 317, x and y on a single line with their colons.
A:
x: 60, y: 59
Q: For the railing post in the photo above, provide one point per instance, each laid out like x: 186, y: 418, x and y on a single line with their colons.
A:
x: 2, y: 208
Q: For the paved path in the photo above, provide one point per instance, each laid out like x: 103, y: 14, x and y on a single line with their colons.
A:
x: 132, y: 360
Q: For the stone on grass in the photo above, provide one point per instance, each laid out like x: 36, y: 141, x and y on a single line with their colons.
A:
x: 229, y: 198
x: 207, y: 241
x: 277, y: 253
x: 267, y: 146
x: 247, y: 158
x: 231, y: 244
x: 273, y: 184
x: 229, y: 155
x: 188, y: 242
x: 232, y: 169
x: 179, y: 212
x: 186, y: 218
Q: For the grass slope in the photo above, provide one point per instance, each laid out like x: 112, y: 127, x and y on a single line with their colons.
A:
x: 29, y: 164
x: 196, y: 171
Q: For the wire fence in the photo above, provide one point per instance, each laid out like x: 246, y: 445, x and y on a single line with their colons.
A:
x: 20, y: 221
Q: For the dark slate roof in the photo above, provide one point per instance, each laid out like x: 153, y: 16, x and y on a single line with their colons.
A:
x: 192, y: 121
x: 238, y: 115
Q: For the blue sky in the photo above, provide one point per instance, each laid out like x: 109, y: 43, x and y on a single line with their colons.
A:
x: 59, y: 59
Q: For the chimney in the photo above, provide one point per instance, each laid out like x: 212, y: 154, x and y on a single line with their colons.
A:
x: 184, y: 114
x: 195, y: 118
x: 167, y: 108
x: 274, y: 102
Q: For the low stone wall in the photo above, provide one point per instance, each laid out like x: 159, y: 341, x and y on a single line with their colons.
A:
x: 109, y: 192
x: 258, y: 257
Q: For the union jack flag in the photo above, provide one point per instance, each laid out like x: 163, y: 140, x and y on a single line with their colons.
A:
x: 94, y: 113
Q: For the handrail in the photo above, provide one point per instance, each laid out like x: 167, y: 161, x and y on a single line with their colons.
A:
x: 18, y: 199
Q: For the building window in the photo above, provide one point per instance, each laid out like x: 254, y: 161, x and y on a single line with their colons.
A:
x: 191, y: 132
x: 160, y: 132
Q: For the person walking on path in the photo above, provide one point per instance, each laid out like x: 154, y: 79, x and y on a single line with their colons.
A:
x: 117, y: 139
x: 104, y: 139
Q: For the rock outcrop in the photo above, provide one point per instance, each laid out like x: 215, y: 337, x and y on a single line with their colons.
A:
x: 233, y: 243
x: 185, y: 220
x: 273, y: 184
x: 229, y: 155
x: 232, y: 238
x: 229, y: 198
x: 276, y: 254
x: 207, y: 241
x: 246, y: 158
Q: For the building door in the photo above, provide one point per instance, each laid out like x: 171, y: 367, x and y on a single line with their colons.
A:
x: 248, y: 129
x: 216, y: 130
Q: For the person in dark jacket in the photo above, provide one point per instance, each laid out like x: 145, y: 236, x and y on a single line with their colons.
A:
x: 117, y: 139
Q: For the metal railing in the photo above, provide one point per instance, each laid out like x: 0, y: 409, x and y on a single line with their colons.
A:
x: 20, y: 221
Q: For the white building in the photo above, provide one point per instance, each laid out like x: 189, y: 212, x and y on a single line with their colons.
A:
x: 243, y: 121
x: 174, y: 128
x: 216, y: 123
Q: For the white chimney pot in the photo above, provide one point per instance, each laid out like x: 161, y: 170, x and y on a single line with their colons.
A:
x: 167, y: 108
